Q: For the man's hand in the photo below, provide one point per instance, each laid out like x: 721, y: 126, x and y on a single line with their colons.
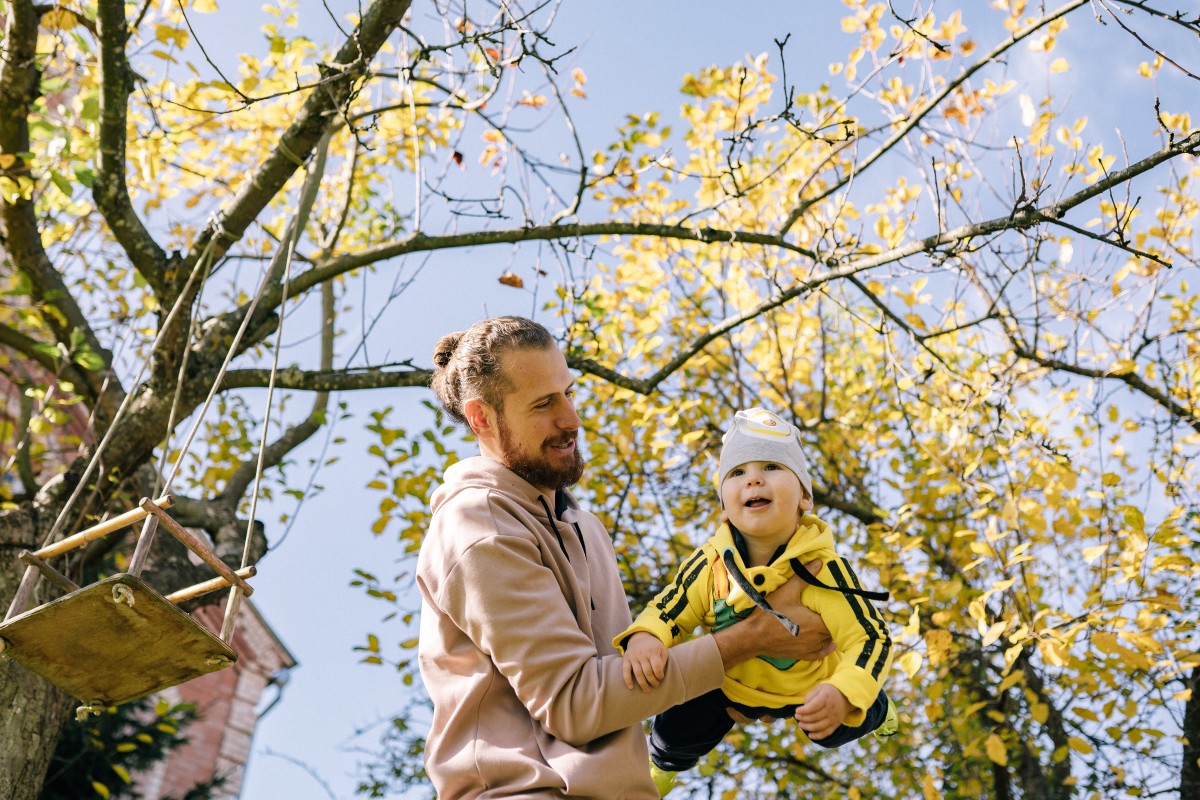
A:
x: 824, y: 709
x: 760, y: 634
x: 645, y: 661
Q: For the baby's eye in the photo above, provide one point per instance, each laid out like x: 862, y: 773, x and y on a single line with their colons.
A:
x: 737, y: 472
x: 773, y: 466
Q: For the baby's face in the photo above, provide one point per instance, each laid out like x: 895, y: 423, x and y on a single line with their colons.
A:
x: 764, y: 499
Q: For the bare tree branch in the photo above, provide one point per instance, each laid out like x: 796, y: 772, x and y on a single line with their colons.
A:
x: 314, y: 118
x: 1178, y: 410
x: 110, y: 190
x: 921, y: 113
x: 328, y: 380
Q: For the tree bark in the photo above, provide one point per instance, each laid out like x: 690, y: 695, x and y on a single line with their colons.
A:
x: 1189, y: 772
x: 34, y: 710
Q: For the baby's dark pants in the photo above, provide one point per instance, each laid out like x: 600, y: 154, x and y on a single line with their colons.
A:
x: 683, y: 735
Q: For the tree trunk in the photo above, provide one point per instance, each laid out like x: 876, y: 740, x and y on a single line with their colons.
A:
x: 1189, y: 774
x: 34, y: 710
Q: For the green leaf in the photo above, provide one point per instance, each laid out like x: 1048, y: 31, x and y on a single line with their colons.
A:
x: 85, y: 176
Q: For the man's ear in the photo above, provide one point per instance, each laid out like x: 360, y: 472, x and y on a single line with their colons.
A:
x: 480, y: 416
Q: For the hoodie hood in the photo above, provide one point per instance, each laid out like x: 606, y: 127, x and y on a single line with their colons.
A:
x: 482, y: 472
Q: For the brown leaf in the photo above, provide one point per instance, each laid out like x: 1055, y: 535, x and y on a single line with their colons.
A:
x: 512, y: 279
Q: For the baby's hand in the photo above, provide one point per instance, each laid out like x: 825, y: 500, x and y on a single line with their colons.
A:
x: 645, y: 661
x: 824, y: 709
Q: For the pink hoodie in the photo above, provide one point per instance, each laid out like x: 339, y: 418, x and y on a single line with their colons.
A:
x: 518, y: 615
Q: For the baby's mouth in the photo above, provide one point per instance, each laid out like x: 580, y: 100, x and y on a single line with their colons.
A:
x: 757, y: 502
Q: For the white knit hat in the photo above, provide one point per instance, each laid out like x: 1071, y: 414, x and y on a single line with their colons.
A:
x: 758, y: 435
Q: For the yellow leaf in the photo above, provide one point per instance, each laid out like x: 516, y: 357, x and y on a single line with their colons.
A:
x: 1010, y: 657
x: 1123, y: 367
x: 532, y: 100
x: 1090, y: 554
x: 1080, y: 745
x: 937, y: 644
x: 101, y: 789
x: 1059, y: 65
x: 204, y: 6
x: 910, y: 662
x: 60, y: 18
x: 493, y: 135
x: 993, y: 632
x: 1053, y: 653
x: 995, y: 750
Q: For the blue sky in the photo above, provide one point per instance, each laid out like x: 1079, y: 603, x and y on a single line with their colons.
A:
x: 635, y: 55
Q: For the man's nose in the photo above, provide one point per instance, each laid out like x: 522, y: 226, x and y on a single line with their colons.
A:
x: 570, y: 421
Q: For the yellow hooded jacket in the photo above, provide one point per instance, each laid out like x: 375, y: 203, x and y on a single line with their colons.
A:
x: 703, y: 594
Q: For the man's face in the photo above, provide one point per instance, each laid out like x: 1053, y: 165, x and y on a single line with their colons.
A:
x: 538, y: 428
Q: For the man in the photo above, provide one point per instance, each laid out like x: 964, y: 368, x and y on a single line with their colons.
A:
x: 521, y: 597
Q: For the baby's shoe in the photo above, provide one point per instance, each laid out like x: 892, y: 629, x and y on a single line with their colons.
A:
x: 663, y: 779
x: 891, y: 724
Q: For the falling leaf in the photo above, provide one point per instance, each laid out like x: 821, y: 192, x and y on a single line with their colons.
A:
x: 512, y: 279
x: 532, y: 100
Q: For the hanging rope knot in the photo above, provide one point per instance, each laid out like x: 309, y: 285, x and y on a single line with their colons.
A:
x: 291, y: 156
x: 217, y: 227
x: 95, y: 707
x: 122, y: 594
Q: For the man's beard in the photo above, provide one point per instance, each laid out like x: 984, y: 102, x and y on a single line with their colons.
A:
x: 536, y: 470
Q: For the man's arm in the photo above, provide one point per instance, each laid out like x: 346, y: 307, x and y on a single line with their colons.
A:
x: 760, y: 634
x: 511, y: 607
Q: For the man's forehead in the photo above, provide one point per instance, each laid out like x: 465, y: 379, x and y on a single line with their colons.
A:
x: 536, y: 372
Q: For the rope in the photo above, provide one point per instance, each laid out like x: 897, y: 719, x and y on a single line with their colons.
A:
x: 308, y: 195
x: 183, y: 363
x: 112, y: 426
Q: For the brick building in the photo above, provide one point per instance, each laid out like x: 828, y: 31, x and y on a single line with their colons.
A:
x: 230, y: 703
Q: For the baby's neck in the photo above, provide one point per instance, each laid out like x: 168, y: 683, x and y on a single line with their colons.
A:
x: 761, y: 549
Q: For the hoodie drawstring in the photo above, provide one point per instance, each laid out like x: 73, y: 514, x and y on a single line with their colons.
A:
x: 550, y: 521
x: 754, y: 594
x: 550, y: 518
x: 800, y: 570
